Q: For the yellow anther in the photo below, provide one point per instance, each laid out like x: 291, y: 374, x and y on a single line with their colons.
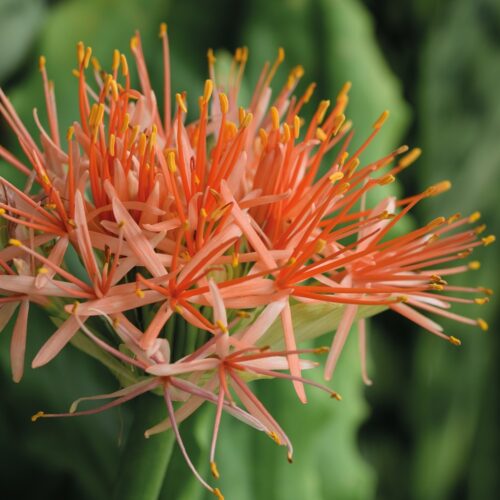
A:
x: 112, y: 140
x: 281, y: 55
x: 248, y: 119
x: 263, y: 137
x: 338, y: 121
x: 336, y: 395
x: 454, y: 340
x: 211, y: 56
x: 134, y: 43
x: 163, y: 30
x: 37, y: 415
x: 343, y: 188
x: 196, y: 179
x: 474, y: 217
x: 487, y: 291
x: 241, y: 114
x: 116, y: 60
x: 74, y: 309
x: 114, y: 90
x: 344, y: 90
x: 180, y: 102
x: 320, y: 134
x: 143, y: 140
x: 296, y: 126
x: 386, y: 179
x: 237, y: 54
x: 171, y: 162
x: 41, y: 63
x: 410, y: 158
x: 124, y: 65
x: 289, y: 457
x: 402, y: 298
x: 80, y: 52
x: 42, y: 270
x: 88, y: 55
x: 309, y: 92
x: 321, y: 350
x: 488, y: 240
x: 96, y: 64
x: 75, y: 73
x: 208, y: 89
x: 244, y: 54
x: 482, y: 324
x: 275, y: 118
x: 214, y: 470
x: 286, y: 133
x: 351, y: 166
x: 178, y: 309
x: 322, y: 107
x: 135, y: 133
x: 235, y: 260
x: 381, y: 120
x: 2, y: 211
x: 336, y: 176
x: 480, y: 301
x: 320, y: 245
x: 436, y: 286
x: 453, y: 218
x: 275, y: 437
x: 218, y: 494
x: 224, y: 103
x: 139, y: 293
x: 203, y: 213
x: 480, y: 229
x: 291, y: 261
x: 243, y: 314
x: 14, y: 242
x: 70, y: 132
x: 125, y: 123
x: 438, y: 188
x: 474, y: 265
x: 438, y: 221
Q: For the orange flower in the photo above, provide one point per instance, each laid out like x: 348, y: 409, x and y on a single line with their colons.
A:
x: 194, y: 238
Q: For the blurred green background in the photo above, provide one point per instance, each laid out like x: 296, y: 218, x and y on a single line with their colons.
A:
x: 428, y: 427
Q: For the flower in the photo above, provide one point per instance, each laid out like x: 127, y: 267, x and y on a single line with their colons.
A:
x: 194, y: 238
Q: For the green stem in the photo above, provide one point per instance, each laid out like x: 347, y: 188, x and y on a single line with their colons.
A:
x: 144, y: 461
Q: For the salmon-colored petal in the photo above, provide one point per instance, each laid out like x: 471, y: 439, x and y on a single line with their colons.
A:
x: 57, y: 341
x: 18, y: 342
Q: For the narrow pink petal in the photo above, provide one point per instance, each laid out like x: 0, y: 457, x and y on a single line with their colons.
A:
x: 339, y: 340
x: 6, y: 312
x: 293, y: 359
x: 83, y: 238
x: 18, y: 342
x: 57, y: 341
x: 170, y: 369
x: 264, y: 321
x: 136, y: 240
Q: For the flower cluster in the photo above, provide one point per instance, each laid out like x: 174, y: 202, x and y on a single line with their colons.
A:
x: 194, y: 238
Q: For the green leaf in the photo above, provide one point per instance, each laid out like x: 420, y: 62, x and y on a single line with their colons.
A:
x: 20, y: 22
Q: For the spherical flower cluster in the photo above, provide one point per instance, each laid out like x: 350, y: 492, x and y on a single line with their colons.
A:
x: 194, y: 238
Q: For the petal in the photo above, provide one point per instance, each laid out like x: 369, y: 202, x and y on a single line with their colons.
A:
x: 18, y: 342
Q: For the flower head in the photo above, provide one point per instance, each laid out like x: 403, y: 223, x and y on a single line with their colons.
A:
x: 195, y: 237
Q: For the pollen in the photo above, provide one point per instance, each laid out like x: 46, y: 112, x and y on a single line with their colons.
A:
x: 474, y: 217
x: 224, y: 103
x: 336, y: 395
x: 410, y: 158
x: 14, y: 242
x: 454, y: 340
x: 488, y: 240
x: 480, y: 301
x: 214, y: 470
x: 474, y: 265
x: 218, y: 494
x: 37, y: 415
x: 482, y: 324
x: 180, y: 102
x: 275, y: 118
x: 381, y: 120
